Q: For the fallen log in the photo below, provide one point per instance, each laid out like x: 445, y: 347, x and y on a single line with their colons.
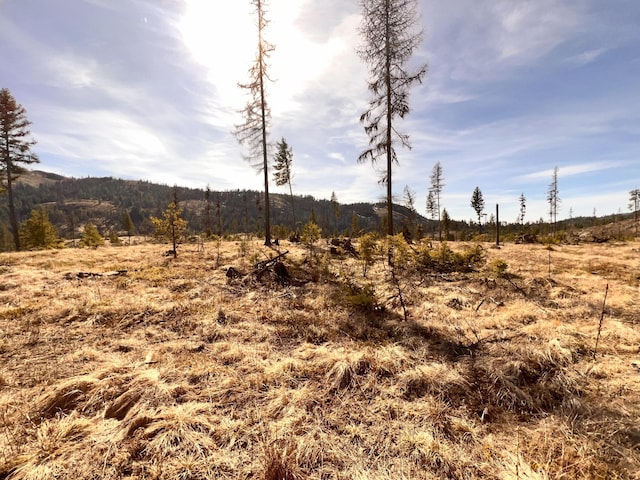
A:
x: 80, y: 275
x: 267, y: 263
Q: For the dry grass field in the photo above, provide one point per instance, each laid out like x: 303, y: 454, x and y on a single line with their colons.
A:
x: 175, y: 371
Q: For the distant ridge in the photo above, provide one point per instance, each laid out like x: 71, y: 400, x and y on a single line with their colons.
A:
x: 103, y: 201
x: 72, y: 202
x: 35, y: 178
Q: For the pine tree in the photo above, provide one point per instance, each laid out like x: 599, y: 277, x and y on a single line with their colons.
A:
x: 257, y: 115
x: 335, y: 207
x: 446, y: 223
x: 410, y: 203
x: 355, y: 225
x: 127, y: 224
x: 282, y: 172
x: 477, y: 203
x: 391, y: 34
x: 311, y: 233
x: 172, y: 226
x: 38, y: 232
x: 91, y: 237
x: 523, y: 207
x: 15, y: 150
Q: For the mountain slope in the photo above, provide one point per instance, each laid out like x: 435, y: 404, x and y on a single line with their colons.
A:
x: 103, y: 202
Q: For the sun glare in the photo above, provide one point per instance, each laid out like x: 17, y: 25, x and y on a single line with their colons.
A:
x: 224, y: 42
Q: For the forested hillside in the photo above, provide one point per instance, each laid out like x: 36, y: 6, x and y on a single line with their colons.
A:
x: 72, y: 202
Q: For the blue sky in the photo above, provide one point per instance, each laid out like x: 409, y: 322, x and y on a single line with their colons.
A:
x: 147, y: 89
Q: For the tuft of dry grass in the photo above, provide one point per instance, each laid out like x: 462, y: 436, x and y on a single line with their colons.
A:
x: 175, y: 370
x: 279, y: 461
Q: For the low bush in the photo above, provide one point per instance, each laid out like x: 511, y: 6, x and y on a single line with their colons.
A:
x: 499, y: 267
x: 362, y: 298
x: 444, y: 259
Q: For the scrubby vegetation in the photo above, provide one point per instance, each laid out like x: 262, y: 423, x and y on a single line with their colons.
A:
x: 459, y: 361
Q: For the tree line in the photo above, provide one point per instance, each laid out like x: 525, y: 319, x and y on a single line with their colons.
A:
x: 71, y: 203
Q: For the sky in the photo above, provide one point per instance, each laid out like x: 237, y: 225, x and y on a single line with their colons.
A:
x: 148, y: 89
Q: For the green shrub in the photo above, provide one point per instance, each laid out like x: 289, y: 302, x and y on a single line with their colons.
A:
x: 114, y: 239
x: 311, y: 233
x: 398, y: 246
x: 471, y: 257
x: 91, y: 237
x: 368, y: 249
x: 361, y: 298
x: 444, y: 259
x: 443, y: 254
x: 499, y: 267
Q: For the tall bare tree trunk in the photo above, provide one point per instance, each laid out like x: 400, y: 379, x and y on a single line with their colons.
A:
x: 267, y: 216
x: 13, y: 217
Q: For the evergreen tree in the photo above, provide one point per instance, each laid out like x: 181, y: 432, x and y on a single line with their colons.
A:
x: 391, y: 34
x: 15, y: 151
x: 446, y: 223
x: 257, y: 115
x: 38, y: 232
x: 127, y: 224
x: 523, y: 208
x: 172, y: 226
x: 477, y: 203
x: 91, y: 237
x: 114, y: 239
x: 410, y: 203
x: 207, y: 212
x: 335, y: 207
x: 311, y: 233
x: 282, y: 172
x: 355, y: 225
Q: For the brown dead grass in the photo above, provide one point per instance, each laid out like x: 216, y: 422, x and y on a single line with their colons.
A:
x: 176, y: 371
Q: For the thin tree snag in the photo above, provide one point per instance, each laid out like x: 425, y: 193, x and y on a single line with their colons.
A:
x: 604, y: 303
x: 499, y: 304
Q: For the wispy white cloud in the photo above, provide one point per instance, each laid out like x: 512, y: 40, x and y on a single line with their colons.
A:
x: 471, y: 41
x: 526, y: 31
x: 569, y: 170
x: 586, y: 57
x: 337, y: 156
